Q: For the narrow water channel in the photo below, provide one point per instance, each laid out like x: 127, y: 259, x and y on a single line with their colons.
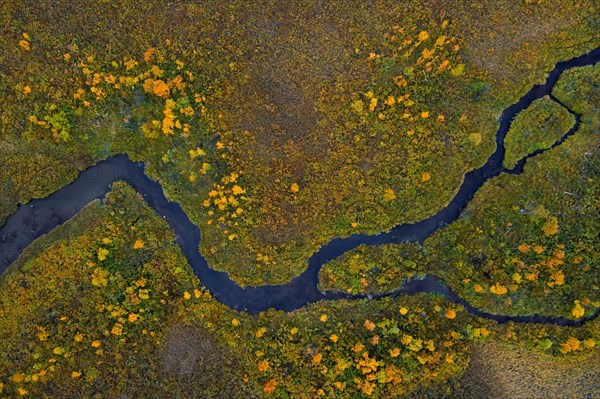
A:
x: 40, y: 216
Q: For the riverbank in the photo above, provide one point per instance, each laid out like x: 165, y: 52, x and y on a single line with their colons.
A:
x: 41, y: 215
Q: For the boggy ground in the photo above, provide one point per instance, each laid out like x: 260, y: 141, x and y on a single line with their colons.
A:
x: 287, y: 91
x: 99, y: 306
x: 290, y: 119
x: 526, y: 243
x: 106, y: 306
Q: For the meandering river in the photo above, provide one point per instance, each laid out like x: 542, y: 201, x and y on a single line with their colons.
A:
x: 40, y: 216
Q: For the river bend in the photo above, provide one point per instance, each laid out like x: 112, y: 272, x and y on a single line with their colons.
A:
x: 40, y: 216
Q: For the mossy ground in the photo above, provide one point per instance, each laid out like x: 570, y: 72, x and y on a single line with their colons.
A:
x: 130, y: 319
x: 277, y: 84
x: 542, y: 124
x: 281, y: 126
x: 526, y: 243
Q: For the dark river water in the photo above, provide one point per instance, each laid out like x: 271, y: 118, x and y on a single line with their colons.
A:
x: 40, y: 216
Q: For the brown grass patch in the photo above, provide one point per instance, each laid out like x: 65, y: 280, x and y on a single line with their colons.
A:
x: 194, y: 365
x: 499, y: 371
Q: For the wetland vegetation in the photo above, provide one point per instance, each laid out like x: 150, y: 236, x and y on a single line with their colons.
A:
x: 278, y: 127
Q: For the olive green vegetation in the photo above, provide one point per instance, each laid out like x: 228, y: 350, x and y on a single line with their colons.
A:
x: 373, y: 269
x: 579, y: 90
x: 526, y: 244
x: 536, y: 128
x: 370, y: 121
x: 363, y: 170
x: 84, y: 311
x: 278, y: 126
x: 130, y: 320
